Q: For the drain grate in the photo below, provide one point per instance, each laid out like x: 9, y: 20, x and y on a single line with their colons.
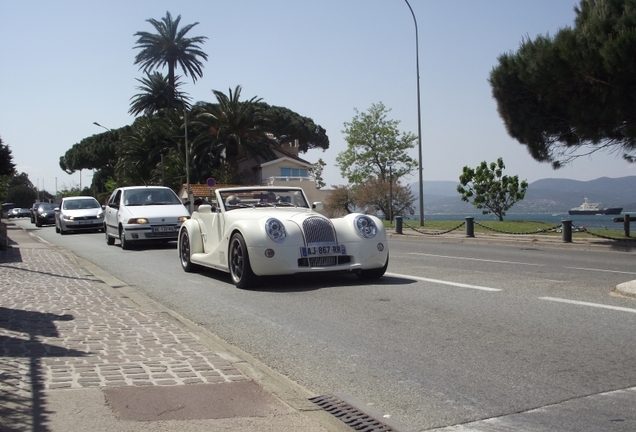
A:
x: 351, y: 415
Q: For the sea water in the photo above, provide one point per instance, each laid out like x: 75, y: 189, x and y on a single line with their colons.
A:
x: 586, y: 221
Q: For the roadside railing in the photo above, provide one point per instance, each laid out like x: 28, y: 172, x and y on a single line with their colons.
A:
x: 565, y: 229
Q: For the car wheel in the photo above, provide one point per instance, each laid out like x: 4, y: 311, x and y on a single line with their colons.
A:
x: 63, y: 231
x: 184, y: 252
x: 109, y: 240
x: 240, y: 269
x: 37, y: 223
x: 374, y: 273
x: 125, y: 244
x: 57, y: 229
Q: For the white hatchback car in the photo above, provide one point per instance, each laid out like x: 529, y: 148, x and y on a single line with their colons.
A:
x: 143, y: 214
x: 78, y: 213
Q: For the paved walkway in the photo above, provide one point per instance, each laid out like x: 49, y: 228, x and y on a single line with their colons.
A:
x: 77, y: 355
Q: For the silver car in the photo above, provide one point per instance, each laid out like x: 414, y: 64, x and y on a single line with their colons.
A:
x: 79, y: 213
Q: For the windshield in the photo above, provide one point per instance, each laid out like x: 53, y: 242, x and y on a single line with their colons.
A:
x: 150, y: 196
x: 78, y: 204
x: 46, y: 206
x: 263, y: 197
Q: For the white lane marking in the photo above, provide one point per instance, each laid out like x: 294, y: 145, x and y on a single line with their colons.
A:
x: 581, y: 303
x: 443, y: 282
x: 600, y: 270
x: 476, y: 259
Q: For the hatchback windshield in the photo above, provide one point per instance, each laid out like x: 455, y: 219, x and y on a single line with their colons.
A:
x: 150, y: 196
x: 45, y: 206
x: 78, y: 204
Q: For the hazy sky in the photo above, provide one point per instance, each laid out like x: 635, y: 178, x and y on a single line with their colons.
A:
x: 69, y: 63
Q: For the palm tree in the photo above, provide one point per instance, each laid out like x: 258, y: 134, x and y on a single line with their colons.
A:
x: 169, y: 46
x: 150, y: 152
x: 156, y: 95
x: 234, y: 129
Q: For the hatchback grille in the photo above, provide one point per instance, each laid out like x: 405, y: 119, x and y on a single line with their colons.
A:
x: 318, y: 231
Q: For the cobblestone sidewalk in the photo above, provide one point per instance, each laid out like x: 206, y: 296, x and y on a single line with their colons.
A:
x: 78, y: 334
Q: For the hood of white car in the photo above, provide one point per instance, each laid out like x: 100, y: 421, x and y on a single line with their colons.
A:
x: 83, y: 212
x: 290, y: 213
x: 154, y: 212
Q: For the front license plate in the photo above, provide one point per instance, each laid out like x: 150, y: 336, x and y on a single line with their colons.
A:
x: 163, y: 229
x: 322, y: 250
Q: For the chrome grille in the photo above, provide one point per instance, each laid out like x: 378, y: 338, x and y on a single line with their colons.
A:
x: 318, y: 231
x: 327, y: 261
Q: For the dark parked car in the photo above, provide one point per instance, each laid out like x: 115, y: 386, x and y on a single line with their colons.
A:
x: 18, y: 212
x: 44, y: 214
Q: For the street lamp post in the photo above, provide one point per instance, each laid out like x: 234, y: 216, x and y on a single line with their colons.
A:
x: 97, y: 124
x: 419, y: 117
x: 187, y: 163
x: 390, y: 165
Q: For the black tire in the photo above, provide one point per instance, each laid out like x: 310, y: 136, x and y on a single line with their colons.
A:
x: 57, y: 229
x: 37, y: 223
x: 374, y: 273
x: 185, y: 252
x: 109, y: 240
x: 239, y: 263
x: 125, y: 244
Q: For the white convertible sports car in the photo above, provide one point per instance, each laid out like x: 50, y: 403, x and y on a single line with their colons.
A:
x: 261, y: 231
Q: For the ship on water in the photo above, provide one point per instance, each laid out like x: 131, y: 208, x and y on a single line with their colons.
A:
x: 588, y: 208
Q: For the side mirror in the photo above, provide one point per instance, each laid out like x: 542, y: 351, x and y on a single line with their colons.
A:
x: 317, y: 206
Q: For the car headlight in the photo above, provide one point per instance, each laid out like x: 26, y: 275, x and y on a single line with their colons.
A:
x: 182, y: 219
x: 365, y: 226
x: 275, y: 230
x: 137, y: 221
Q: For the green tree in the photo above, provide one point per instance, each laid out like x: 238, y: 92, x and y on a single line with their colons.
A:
x: 288, y: 126
x: 372, y: 141
x: 489, y: 190
x: 339, y: 202
x: 20, y: 190
x: 170, y: 47
x: 156, y: 94
x: 151, y: 151
x: 573, y: 94
x: 316, y: 171
x: 21, y: 195
x: 97, y: 152
x: 233, y: 128
x: 375, y: 195
x: 7, y: 168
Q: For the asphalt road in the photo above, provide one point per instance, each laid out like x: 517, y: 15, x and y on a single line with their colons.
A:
x: 454, y: 333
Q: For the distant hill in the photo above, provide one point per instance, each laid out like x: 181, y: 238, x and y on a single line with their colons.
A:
x: 550, y: 195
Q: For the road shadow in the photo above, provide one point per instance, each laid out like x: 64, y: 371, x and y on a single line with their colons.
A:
x: 23, y: 404
x: 306, y: 282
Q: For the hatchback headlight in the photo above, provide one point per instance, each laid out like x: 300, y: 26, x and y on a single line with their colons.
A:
x: 275, y: 230
x: 137, y: 221
x: 365, y: 226
x: 182, y: 219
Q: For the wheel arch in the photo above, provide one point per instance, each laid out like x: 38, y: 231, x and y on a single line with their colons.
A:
x: 191, y: 226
